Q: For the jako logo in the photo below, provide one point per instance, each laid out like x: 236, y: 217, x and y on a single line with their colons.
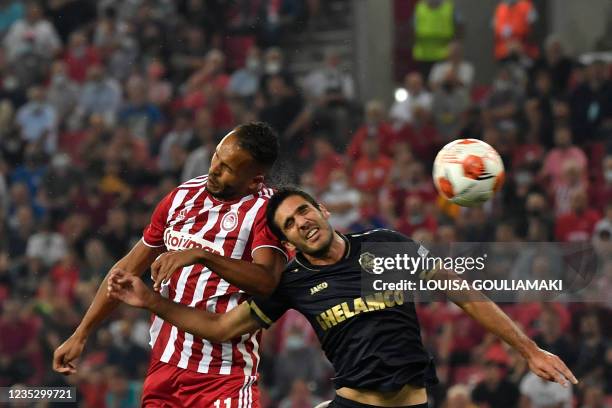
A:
x: 176, y: 241
x: 318, y: 288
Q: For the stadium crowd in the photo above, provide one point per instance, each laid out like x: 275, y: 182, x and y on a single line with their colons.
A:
x: 106, y: 105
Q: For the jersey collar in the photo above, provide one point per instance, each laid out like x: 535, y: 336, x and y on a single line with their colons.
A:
x: 303, y: 262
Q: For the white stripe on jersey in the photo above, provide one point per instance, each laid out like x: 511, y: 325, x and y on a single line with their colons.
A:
x: 227, y: 348
x: 222, y: 287
x: 157, y: 323
x: 185, y: 272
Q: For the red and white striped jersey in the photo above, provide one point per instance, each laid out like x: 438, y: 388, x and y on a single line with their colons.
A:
x: 190, y: 217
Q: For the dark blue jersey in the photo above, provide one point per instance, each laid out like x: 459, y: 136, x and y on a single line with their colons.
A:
x: 374, y: 340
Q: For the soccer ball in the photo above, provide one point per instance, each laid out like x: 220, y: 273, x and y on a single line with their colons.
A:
x: 468, y: 172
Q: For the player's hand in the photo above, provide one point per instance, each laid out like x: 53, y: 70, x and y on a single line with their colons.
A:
x: 167, y: 263
x: 129, y: 289
x: 66, y: 353
x: 550, y: 367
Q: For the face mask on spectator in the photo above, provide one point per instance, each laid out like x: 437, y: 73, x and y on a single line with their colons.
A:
x: 59, y: 79
x: 273, y: 67
x: 523, y: 178
x: 608, y: 176
x: 294, y: 343
x: 252, y: 64
x: 337, y: 185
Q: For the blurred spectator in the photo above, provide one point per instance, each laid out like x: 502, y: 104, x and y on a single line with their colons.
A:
x: 46, y: 245
x: 558, y: 65
x: 138, y: 114
x: 415, y: 217
x: 329, y: 85
x: 342, y: 201
x: 10, y: 12
x: 571, y: 181
x: 198, y: 161
x: 274, y: 64
x: 60, y: 186
x: 539, y: 109
x: 455, y: 67
x: 122, y: 392
x: 32, y: 170
x: 601, y: 191
x: 97, y: 260
x: 590, y: 103
x: 190, y: 53
x: 495, y: 390
x: 21, y: 226
x: 300, y: 397
x: 451, y: 101
x: 159, y: 89
x: 115, y: 233
x: 299, y: 362
x: 18, y: 351
x: 100, y: 95
x: 372, y: 170
x: 593, y: 397
x: 211, y: 73
x: 576, y: 225
x: 458, y: 396
x: 326, y: 161
x: 38, y: 121
x: 436, y: 23
x: 244, y: 82
x: 62, y: 93
x: 276, y: 16
x: 79, y: 56
x: 513, y: 24
x: 418, y: 98
x: 376, y: 127
x: 507, y: 91
x: 181, y: 135
x: 563, y: 152
x: 33, y: 34
x: 551, y: 337
x: 281, y: 108
x: 591, y: 355
x: 539, y: 393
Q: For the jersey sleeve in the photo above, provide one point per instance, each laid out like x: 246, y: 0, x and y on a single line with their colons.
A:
x: 263, y: 236
x: 268, y: 310
x: 153, y: 234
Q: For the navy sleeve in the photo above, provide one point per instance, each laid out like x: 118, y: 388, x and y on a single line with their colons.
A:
x: 268, y: 310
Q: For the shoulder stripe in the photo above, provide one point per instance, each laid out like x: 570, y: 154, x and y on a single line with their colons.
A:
x: 259, y: 313
x: 370, y: 232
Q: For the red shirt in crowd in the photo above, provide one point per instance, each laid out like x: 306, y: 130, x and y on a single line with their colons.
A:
x: 573, y: 227
x: 371, y: 174
x: 383, y: 133
x: 423, y: 140
x: 324, y: 167
x: 79, y: 64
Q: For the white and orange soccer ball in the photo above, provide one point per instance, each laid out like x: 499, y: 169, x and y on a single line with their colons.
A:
x: 468, y: 172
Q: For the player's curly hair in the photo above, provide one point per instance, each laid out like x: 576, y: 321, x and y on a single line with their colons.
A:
x: 277, y: 199
x: 260, y: 140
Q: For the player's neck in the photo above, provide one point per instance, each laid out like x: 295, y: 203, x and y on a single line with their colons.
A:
x: 334, y: 254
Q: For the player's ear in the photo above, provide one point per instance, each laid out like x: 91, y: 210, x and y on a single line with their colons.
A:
x: 324, y: 211
x: 288, y: 246
x: 256, y: 182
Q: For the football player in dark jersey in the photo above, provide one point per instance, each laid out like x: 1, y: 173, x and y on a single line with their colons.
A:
x: 373, y: 341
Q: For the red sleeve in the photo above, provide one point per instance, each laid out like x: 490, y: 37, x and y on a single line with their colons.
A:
x: 153, y: 234
x: 263, y: 236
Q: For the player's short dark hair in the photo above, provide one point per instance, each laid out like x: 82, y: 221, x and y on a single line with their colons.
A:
x: 275, y: 202
x: 260, y: 140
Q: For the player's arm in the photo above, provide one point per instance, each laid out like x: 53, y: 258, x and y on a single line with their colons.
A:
x: 134, y: 263
x: 259, y: 277
x: 216, y: 327
x: 492, y: 318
